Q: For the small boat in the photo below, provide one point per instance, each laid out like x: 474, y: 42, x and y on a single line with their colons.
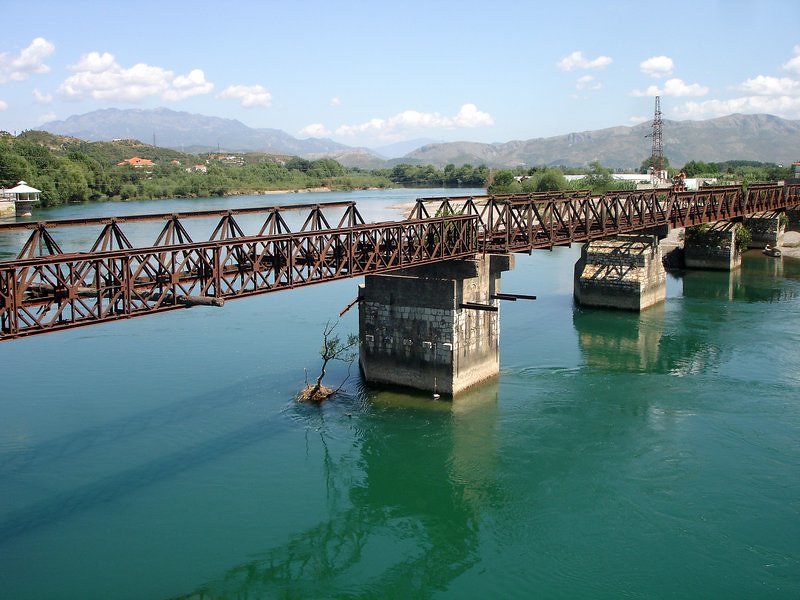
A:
x: 770, y: 251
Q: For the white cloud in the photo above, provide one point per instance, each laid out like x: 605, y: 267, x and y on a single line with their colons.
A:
x: 3, y: 105
x: 657, y: 66
x: 764, y: 85
x: 247, y: 95
x: 785, y: 106
x: 794, y: 63
x: 46, y: 118
x: 185, y: 86
x: 100, y: 77
x: 587, y: 82
x: 27, y: 62
x: 413, y: 119
x: 336, y: 101
x: 762, y: 94
x: 314, y: 130
x: 676, y: 87
x: 467, y: 117
x: 41, y: 97
x: 673, y: 87
x: 577, y: 60
x: 94, y: 62
x: 371, y: 126
x: 637, y: 120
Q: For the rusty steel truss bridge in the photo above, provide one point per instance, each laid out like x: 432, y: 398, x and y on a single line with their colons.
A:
x: 45, y: 289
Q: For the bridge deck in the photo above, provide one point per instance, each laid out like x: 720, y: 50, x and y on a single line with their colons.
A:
x: 45, y: 289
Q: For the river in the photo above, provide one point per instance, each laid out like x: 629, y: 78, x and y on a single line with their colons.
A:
x: 618, y: 455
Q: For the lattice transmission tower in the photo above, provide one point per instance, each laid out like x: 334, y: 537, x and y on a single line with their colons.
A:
x: 657, y: 159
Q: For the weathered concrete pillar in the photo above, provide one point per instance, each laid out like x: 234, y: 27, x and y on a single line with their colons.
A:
x: 767, y: 229
x: 624, y: 272
x: 712, y: 248
x: 415, y: 330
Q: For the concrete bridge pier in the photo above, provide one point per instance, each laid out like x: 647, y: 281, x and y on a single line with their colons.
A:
x: 766, y: 229
x: 433, y: 328
x: 623, y: 272
x: 713, y: 248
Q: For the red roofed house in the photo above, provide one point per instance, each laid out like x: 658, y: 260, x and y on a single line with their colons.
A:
x: 137, y: 162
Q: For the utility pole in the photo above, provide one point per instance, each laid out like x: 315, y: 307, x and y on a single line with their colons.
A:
x: 657, y: 159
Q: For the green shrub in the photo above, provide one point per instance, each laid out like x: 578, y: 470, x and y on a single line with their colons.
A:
x: 742, y: 237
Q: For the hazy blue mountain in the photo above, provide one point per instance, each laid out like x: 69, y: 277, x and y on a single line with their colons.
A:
x: 399, y: 149
x: 736, y: 137
x: 185, y: 131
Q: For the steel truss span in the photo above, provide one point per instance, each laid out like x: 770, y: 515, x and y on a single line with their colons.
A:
x: 45, y: 289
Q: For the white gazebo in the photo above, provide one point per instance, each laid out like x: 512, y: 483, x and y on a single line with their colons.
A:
x: 24, y: 197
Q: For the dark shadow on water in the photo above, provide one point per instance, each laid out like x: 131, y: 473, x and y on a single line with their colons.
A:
x: 95, y: 437
x: 113, y: 487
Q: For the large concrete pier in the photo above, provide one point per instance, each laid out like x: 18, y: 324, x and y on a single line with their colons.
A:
x: 433, y: 328
x: 713, y: 248
x: 624, y: 272
x: 767, y: 229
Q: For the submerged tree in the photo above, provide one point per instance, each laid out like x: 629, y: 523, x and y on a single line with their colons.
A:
x: 333, y: 348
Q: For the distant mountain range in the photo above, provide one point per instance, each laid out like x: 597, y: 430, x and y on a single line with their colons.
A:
x: 736, y: 137
x: 185, y: 131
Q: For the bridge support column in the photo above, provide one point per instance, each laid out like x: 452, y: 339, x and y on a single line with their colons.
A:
x: 433, y: 328
x: 766, y: 229
x: 712, y: 248
x: 625, y: 273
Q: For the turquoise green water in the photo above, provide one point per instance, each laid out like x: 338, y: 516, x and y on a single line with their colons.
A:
x: 617, y: 455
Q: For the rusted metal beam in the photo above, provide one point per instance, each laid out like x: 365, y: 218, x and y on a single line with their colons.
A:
x: 46, y: 290
x: 43, y: 294
x: 200, y: 214
x: 344, y: 311
x: 478, y: 306
x: 512, y: 297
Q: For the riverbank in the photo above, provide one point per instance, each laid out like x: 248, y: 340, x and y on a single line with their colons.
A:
x: 320, y: 189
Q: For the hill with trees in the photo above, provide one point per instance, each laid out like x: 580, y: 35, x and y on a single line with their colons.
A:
x: 68, y: 169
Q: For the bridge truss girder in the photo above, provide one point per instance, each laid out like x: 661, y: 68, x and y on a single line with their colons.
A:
x: 57, y: 290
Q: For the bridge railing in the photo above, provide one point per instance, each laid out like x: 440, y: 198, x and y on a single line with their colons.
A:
x: 521, y: 222
x: 48, y: 293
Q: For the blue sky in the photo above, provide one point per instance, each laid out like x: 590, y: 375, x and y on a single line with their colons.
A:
x: 375, y: 73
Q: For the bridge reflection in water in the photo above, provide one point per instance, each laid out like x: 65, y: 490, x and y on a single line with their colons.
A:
x: 406, y: 527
